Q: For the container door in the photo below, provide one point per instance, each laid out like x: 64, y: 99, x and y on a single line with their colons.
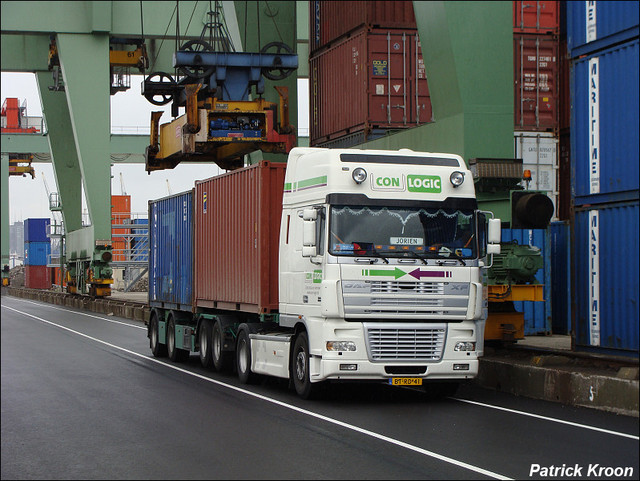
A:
x: 420, y: 111
x: 389, y: 67
x: 536, y: 82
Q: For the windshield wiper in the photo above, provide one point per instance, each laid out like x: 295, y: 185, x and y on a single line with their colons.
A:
x: 454, y: 254
x: 369, y: 250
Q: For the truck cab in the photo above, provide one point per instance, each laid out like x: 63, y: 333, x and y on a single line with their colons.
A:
x: 381, y: 264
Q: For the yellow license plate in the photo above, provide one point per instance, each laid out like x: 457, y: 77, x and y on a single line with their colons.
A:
x: 406, y: 381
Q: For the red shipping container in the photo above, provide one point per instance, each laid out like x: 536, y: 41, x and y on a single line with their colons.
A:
x: 381, y: 84
x: 37, y: 277
x: 120, y: 214
x: 536, y: 82
x: 330, y: 20
x: 536, y: 17
x: 236, y: 238
x: 119, y: 249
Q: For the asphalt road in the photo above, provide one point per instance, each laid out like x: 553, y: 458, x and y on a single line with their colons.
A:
x: 83, y: 398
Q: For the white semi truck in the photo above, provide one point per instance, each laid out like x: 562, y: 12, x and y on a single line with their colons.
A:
x: 378, y: 274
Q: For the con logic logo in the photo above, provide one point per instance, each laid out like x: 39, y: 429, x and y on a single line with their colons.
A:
x: 414, y: 183
x: 424, y: 183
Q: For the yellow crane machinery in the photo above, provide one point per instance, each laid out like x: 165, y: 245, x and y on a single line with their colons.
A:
x: 221, y: 123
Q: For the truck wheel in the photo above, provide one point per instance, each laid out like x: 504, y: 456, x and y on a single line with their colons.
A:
x: 175, y: 354
x: 204, y: 339
x: 158, y: 349
x: 301, y: 381
x: 243, y: 358
x: 221, y: 358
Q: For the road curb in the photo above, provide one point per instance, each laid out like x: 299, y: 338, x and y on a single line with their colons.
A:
x: 560, y: 384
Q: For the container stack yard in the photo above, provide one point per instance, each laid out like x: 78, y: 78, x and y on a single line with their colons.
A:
x: 366, y: 55
x: 37, y: 248
x: 602, y: 41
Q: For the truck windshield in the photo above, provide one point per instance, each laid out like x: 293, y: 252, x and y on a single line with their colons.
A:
x: 399, y: 232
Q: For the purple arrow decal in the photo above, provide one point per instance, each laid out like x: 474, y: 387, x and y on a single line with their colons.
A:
x: 419, y: 274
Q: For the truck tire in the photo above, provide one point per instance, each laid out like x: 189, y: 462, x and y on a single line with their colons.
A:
x: 221, y: 359
x: 157, y: 349
x: 300, y: 368
x: 243, y: 358
x: 204, y: 340
x: 175, y: 354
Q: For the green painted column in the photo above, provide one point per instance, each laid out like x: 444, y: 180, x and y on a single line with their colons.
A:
x: 85, y: 67
x: 66, y: 166
x: 4, y: 201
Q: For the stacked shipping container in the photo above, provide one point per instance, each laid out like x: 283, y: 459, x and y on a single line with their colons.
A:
x: 222, y: 229
x: 120, y: 236
x: 367, y: 75
x: 536, y: 60
x: 37, y: 248
x: 603, y: 43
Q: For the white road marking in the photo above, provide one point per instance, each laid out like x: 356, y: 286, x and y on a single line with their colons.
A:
x: 366, y: 432
x: 554, y: 420
x: 49, y: 306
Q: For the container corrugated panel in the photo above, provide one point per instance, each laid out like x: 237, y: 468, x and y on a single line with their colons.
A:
x: 564, y: 90
x: 604, y: 125
x: 35, y: 230
x: 140, y: 240
x: 536, y: 17
x: 605, y: 296
x: 171, y: 251
x: 35, y: 253
x: 330, y: 20
x: 237, y: 231
x: 600, y: 25
x: 382, y: 85
x: 37, y: 277
x: 537, y: 315
x: 560, y: 277
x: 120, y: 215
x: 564, y: 176
x: 535, y: 62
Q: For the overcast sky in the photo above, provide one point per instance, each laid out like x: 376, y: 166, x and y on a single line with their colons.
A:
x: 130, y: 111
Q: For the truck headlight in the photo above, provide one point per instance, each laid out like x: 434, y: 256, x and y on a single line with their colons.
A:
x: 341, y: 346
x: 359, y: 175
x: 457, y: 178
x: 465, y: 346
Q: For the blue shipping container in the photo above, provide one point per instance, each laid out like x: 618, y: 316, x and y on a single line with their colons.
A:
x: 36, y: 253
x: 605, y: 293
x: 560, y: 277
x: 537, y: 315
x: 604, y: 126
x: 171, y: 252
x: 35, y: 230
x: 140, y: 240
x: 592, y: 26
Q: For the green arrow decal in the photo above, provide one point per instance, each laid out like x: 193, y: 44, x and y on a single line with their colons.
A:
x: 396, y: 273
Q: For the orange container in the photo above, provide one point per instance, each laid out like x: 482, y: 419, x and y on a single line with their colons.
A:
x: 120, y: 215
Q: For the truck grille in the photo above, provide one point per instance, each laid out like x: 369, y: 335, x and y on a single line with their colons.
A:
x: 405, y: 342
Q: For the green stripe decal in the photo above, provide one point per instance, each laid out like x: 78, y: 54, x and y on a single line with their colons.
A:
x: 395, y: 273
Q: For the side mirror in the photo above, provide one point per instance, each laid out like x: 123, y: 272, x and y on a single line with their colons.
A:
x: 494, y: 231
x: 493, y: 248
x: 309, y: 248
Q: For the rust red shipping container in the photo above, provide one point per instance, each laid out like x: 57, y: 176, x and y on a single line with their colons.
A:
x: 236, y: 239
x: 382, y: 84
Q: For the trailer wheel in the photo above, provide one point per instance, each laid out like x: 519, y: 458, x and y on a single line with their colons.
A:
x: 175, y: 354
x: 243, y: 358
x: 158, y: 349
x: 300, y: 365
x: 221, y: 359
x: 204, y: 339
